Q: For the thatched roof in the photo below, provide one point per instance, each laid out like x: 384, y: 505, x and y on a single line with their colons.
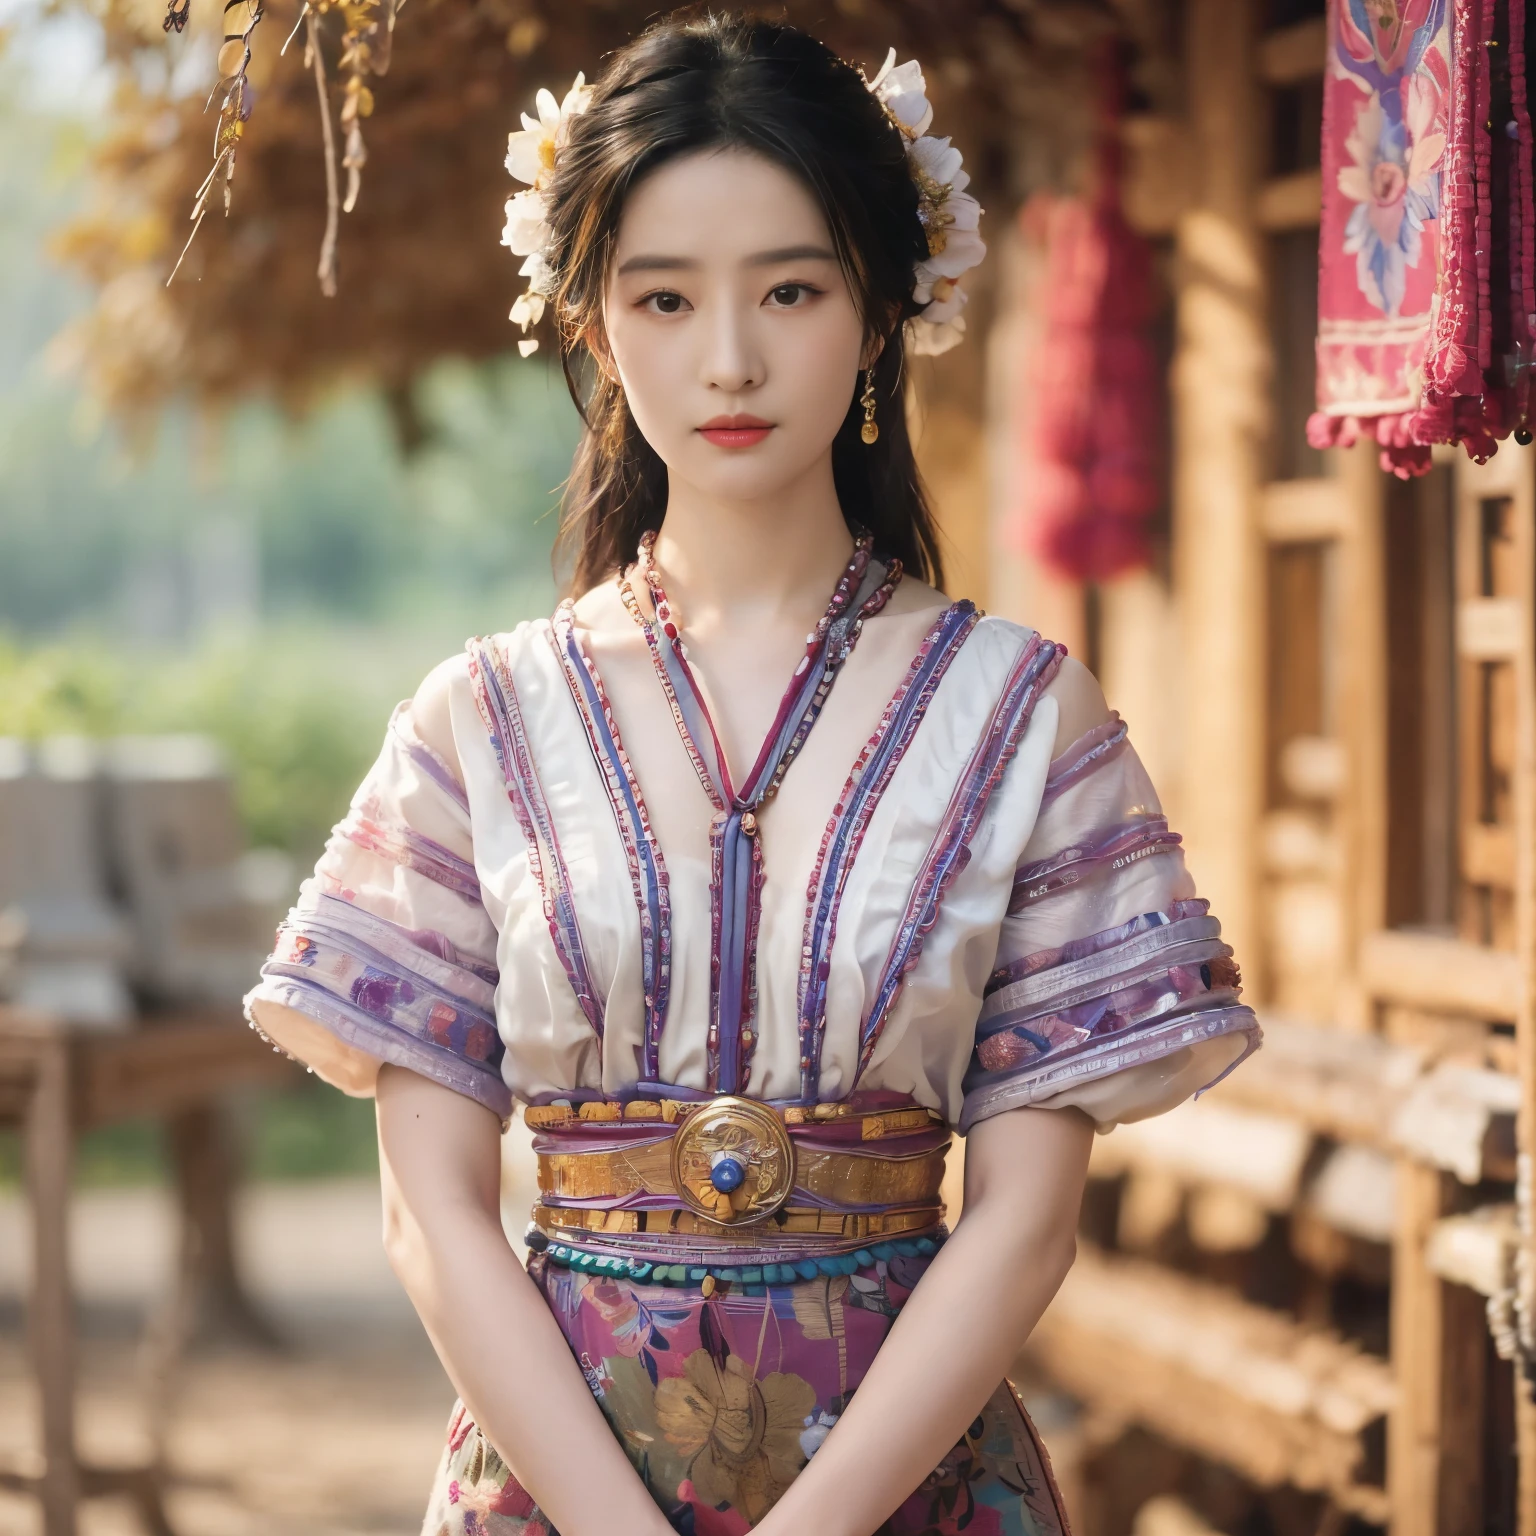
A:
x: 421, y: 272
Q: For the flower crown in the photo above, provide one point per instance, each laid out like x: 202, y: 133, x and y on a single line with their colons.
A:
x: 949, y: 214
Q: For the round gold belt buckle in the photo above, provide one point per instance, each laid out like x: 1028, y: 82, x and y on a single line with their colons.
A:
x: 732, y: 1160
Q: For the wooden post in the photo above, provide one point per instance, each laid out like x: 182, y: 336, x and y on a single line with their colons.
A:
x: 49, y: 1156
x: 1362, y: 809
x: 1510, y: 477
x: 1439, y: 1333
x: 1222, y: 413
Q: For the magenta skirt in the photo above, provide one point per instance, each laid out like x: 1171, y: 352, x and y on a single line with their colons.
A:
x: 720, y: 1401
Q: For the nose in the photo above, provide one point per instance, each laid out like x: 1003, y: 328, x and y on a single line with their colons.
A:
x: 732, y: 360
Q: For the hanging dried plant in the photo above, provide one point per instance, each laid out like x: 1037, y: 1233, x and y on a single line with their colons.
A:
x: 234, y: 108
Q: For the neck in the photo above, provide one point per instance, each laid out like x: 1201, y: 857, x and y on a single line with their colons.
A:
x: 725, y: 559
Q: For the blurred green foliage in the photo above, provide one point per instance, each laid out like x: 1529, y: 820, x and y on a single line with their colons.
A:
x: 306, y: 1132
x: 274, y: 580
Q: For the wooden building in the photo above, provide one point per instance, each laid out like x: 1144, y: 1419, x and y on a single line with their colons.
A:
x: 1311, y: 1278
x: 1299, y: 1304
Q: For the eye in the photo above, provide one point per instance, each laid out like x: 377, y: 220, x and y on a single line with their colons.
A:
x: 792, y: 295
x: 664, y: 302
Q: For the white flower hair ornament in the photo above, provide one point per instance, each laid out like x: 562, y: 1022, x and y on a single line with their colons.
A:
x: 531, y: 158
x: 950, y: 215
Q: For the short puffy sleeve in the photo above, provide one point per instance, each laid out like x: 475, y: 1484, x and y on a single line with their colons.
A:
x: 1113, y: 990
x: 390, y: 948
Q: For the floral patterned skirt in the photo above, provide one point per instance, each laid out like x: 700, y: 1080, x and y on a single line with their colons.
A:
x: 721, y: 1400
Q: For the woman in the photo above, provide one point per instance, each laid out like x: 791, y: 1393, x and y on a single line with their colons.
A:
x: 747, y: 954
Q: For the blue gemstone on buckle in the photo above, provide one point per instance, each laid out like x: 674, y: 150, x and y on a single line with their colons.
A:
x: 727, y: 1172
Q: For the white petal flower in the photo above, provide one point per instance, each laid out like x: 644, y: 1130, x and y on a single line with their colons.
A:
x: 912, y: 111
x: 523, y: 153
x: 896, y: 79
x: 577, y: 100
x: 901, y: 89
x: 963, y: 249
x: 937, y: 158
x: 925, y: 340
x: 528, y: 310
x: 527, y: 227
x: 531, y: 153
x: 945, y: 300
x: 549, y: 110
x: 962, y: 211
x: 540, y: 275
x: 531, y: 156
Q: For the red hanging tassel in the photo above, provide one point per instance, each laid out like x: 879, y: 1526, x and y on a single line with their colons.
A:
x: 1090, y: 476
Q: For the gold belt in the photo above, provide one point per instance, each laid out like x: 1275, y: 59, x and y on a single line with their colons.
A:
x: 730, y: 1161
x: 873, y: 1124
x: 871, y: 1225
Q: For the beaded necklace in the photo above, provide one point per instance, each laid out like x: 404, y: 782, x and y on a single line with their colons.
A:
x: 736, y: 853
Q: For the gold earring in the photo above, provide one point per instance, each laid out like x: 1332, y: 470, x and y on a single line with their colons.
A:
x: 869, y: 432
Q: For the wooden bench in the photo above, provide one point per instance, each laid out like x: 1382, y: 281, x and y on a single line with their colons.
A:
x: 55, y: 1082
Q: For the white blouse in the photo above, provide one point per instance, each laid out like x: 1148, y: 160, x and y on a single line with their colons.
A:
x: 946, y: 912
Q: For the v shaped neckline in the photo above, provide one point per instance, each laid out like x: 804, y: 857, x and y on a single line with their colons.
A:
x: 863, y: 588
x: 735, y: 872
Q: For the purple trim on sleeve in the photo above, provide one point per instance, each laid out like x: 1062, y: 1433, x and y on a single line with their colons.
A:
x: 403, y: 996
x: 1093, y: 1006
x: 1090, y: 751
x: 1052, y: 1076
x: 427, y: 760
x: 949, y: 852
x: 399, y: 844
x: 496, y: 698
x: 1018, y: 1038
x: 1140, y: 837
x: 1075, y: 980
x: 385, y: 1041
x: 1079, y: 949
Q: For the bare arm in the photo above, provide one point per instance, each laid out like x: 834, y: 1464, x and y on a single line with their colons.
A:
x: 440, y: 1159
x: 960, y: 1329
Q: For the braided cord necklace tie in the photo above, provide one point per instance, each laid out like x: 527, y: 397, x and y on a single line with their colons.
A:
x: 736, y: 851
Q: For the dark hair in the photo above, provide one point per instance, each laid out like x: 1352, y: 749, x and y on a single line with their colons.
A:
x: 695, y: 83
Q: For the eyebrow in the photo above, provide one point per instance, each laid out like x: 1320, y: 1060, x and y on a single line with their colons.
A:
x: 661, y: 263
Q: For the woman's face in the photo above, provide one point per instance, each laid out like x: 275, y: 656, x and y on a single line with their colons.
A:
x: 731, y: 325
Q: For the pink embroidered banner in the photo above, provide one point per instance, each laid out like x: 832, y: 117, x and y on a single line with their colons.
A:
x: 1425, y: 262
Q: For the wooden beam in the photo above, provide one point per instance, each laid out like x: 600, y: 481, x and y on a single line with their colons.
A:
x: 1221, y: 389
x: 50, y: 1310
x: 1435, y: 1432
x: 1155, y: 190
x: 1512, y: 473
x: 166, y: 1067
x: 1490, y: 628
x: 1428, y: 971
x: 1489, y: 855
x: 1476, y: 1248
x: 1362, y: 701
x: 1294, y: 54
x: 1211, y: 1142
x: 1339, y: 1084
x: 1239, y: 1384
x: 1291, y: 202
x: 1303, y: 511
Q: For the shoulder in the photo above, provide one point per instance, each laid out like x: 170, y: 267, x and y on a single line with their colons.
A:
x: 445, y: 699
x: 1074, y: 690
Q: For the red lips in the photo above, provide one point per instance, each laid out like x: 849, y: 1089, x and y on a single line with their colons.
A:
x: 735, y: 431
